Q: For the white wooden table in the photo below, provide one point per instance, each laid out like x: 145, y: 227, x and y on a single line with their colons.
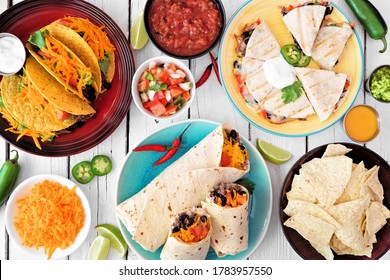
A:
x: 212, y: 104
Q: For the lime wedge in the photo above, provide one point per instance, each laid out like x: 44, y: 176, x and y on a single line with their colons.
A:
x: 113, y: 233
x: 139, y: 37
x: 272, y: 153
x: 99, y: 248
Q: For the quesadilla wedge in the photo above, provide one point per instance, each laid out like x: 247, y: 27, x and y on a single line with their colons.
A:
x: 63, y: 64
x: 91, y: 44
x: 276, y: 111
x: 303, y: 19
x: 325, y: 89
x: 330, y: 43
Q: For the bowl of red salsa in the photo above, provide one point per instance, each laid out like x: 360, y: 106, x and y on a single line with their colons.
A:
x: 184, y: 29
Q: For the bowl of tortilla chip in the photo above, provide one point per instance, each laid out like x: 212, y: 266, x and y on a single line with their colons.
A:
x: 335, y: 204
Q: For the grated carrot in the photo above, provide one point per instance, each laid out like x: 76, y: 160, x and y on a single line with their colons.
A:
x: 51, y: 216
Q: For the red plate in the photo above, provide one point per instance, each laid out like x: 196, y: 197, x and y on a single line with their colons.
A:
x: 111, y: 107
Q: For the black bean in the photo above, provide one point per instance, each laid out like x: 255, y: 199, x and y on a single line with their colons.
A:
x: 183, y: 225
x: 203, y: 218
x: 175, y: 229
x: 242, y: 147
x: 245, y: 34
x: 183, y: 217
x: 190, y: 222
x: 233, y: 134
x: 223, y: 200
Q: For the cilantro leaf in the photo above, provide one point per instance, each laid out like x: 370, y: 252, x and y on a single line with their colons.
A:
x: 291, y: 92
x: 246, y: 183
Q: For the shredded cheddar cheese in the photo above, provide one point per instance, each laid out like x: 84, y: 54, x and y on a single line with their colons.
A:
x: 95, y: 36
x: 232, y: 149
x: 189, y: 235
x: 51, y: 216
x: 61, y: 62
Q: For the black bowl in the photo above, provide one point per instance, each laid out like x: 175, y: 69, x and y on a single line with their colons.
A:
x: 359, y: 153
x: 221, y: 9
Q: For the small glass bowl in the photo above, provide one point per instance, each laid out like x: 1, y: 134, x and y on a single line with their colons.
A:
x: 367, y: 85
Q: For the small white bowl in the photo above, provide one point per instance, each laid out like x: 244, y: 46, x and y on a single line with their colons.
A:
x: 22, y: 190
x: 13, y: 54
x: 162, y: 60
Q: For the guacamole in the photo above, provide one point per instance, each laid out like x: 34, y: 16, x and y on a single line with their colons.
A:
x: 380, y: 83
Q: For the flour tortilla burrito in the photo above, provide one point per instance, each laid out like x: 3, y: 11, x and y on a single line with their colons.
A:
x: 91, y: 44
x: 303, y: 19
x: 227, y: 205
x: 330, y: 43
x: 184, y: 184
x: 189, y: 237
x: 262, y: 44
x: 63, y: 64
x: 325, y: 89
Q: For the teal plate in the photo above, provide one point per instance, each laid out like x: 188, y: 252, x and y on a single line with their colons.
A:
x: 137, y: 172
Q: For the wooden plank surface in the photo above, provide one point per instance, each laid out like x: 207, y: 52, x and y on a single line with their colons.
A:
x: 210, y: 103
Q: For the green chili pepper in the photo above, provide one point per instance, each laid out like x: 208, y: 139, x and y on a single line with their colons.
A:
x: 371, y: 20
x: 291, y: 53
x: 8, y: 174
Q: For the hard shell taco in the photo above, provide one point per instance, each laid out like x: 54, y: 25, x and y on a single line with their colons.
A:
x: 90, y: 43
x: 63, y: 64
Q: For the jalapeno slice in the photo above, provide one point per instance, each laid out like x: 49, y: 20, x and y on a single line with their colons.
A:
x: 82, y: 172
x: 291, y: 53
x: 101, y: 165
x: 303, y: 62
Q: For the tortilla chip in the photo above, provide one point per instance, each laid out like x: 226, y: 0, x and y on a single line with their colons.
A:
x: 324, y: 250
x: 328, y: 177
x: 341, y: 249
x: 353, y: 189
x: 311, y: 228
x: 333, y: 150
x: 299, y: 206
x: 301, y: 190
x: 351, y: 216
x: 372, y: 187
x: 375, y: 220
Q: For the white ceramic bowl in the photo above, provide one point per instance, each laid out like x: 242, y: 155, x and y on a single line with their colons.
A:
x: 22, y: 190
x: 161, y: 60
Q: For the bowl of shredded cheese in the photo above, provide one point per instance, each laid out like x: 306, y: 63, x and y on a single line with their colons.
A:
x: 48, y: 216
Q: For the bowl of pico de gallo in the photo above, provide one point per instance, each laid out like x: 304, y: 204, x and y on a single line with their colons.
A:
x: 163, y: 88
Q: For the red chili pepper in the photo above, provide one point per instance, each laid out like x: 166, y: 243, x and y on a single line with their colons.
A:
x: 205, y: 76
x: 215, y: 66
x: 172, y: 152
x: 154, y: 147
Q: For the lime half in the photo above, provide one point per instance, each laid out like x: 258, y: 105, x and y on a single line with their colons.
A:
x: 139, y: 37
x: 113, y: 233
x: 272, y: 153
x: 99, y: 248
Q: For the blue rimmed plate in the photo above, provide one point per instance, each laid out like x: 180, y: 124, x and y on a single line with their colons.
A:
x: 138, y: 170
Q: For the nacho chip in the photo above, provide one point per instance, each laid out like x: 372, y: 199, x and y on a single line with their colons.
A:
x: 311, y: 228
x: 341, y: 249
x: 372, y: 187
x: 376, y: 216
x: 333, y: 150
x: 299, y: 206
x: 301, y: 189
x: 324, y: 250
x: 328, y: 177
x: 353, y: 188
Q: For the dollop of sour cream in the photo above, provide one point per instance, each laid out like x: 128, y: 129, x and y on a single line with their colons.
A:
x: 278, y: 72
x: 12, y: 54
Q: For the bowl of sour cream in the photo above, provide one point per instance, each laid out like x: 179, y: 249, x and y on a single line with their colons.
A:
x: 12, y: 54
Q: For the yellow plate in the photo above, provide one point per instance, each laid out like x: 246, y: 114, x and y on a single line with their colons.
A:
x: 350, y: 62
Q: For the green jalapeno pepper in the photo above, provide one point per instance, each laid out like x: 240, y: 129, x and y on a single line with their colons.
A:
x: 371, y: 20
x: 303, y: 62
x: 82, y: 172
x: 8, y: 174
x: 291, y: 53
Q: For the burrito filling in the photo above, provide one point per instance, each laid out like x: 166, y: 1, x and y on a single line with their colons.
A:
x: 234, y: 153
x: 288, y: 8
x: 63, y: 64
x: 191, y: 227
x: 228, y: 195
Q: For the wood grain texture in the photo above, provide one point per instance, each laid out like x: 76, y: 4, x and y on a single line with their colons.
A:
x: 210, y: 103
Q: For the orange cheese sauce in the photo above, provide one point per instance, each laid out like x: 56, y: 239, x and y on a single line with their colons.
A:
x: 361, y: 123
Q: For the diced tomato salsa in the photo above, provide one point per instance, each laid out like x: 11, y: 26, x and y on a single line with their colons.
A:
x: 185, y: 27
x: 164, y: 89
